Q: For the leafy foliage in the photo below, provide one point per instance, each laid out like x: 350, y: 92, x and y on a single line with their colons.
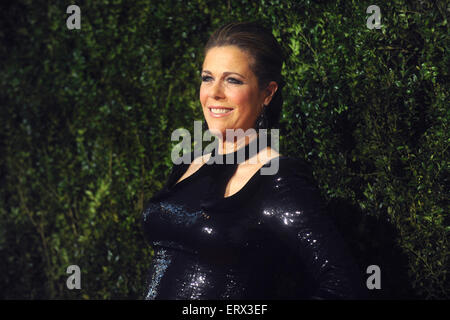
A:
x: 86, y: 117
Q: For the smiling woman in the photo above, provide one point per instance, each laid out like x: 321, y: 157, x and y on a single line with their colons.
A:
x: 231, y: 99
x: 227, y: 231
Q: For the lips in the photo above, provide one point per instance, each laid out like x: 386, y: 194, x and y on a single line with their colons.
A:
x: 219, y: 111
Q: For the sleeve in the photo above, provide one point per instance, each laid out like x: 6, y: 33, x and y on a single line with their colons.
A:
x: 295, y: 213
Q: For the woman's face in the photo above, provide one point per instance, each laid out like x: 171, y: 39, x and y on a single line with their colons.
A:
x: 229, y: 93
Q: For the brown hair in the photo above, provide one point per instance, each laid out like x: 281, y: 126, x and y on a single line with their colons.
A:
x: 267, y: 55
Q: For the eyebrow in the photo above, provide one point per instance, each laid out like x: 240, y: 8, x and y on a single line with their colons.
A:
x: 225, y: 73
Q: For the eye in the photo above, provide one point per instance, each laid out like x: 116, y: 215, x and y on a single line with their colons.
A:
x: 205, y: 78
x: 236, y: 81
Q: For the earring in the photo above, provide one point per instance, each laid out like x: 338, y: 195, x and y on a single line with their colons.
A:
x: 262, y: 121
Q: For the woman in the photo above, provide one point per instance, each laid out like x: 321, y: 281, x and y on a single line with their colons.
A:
x: 226, y: 231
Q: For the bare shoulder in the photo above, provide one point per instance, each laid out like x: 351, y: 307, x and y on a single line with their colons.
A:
x: 195, y: 165
x: 245, y: 171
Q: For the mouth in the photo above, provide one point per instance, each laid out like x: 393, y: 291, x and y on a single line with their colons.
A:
x: 219, y: 111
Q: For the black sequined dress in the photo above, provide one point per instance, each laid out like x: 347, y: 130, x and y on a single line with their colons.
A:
x: 270, y: 240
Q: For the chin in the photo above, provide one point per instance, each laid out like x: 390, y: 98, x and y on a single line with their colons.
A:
x: 215, y: 130
x: 214, y: 125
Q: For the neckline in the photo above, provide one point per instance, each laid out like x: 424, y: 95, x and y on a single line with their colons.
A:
x: 249, y: 150
x: 249, y: 182
x: 235, y: 195
x: 224, y: 157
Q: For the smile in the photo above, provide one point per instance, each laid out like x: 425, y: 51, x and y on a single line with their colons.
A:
x: 218, y: 112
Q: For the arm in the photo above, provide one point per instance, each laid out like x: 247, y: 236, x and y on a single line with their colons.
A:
x: 294, y: 211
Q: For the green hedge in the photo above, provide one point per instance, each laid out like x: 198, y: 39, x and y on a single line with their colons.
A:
x: 86, y: 117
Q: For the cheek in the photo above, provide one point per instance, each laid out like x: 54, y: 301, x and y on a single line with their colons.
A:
x: 202, y: 96
x: 242, y: 98
x: 246, y: 101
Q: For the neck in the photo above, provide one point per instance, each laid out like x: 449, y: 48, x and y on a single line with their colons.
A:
x: 235, y: 143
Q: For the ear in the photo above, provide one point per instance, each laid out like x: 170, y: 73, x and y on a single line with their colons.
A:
x: 269, y: 92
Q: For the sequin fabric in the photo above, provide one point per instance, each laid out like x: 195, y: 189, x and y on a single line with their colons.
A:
x: 270, y: 240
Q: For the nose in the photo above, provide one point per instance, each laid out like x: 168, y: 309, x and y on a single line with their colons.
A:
x: 215, y: 90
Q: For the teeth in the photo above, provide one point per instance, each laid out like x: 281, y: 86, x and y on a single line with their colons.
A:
x: 217, y: 110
